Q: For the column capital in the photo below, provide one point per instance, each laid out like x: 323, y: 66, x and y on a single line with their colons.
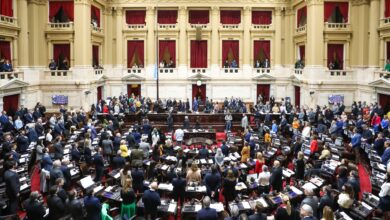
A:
x: 215, y: 9
x: 247, y: 9
x: 38, y: 2
x: 81, y: 2
x: 314, y: 2
x: 360, y: 2
x: 118, y: 11
x: 289, y: 11
x: 279, y: 11
x: 107, y: 11
x: 182, y: 10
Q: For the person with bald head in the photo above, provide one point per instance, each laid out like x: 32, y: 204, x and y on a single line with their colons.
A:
x: 207, y: 213
x: 276, y: 177
x: 151, y: 200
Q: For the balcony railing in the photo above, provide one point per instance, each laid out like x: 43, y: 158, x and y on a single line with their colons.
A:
x: 198, y: 70
x: 381, y: 75
x: 301, y: 29
x: 230, y: 26
x: 166, y: 70
x: 337, y: 26
x: 262, y: 26
x: 135, y: 70
x: 340, y: 74
x: 203, y: 26
x: 7, y: 20
x: 98, y: 72
x: 58, y: 74
x: 97, y: 29
x: 136, y: 26
x: 167, y: 26
x: 230, y: 70
x: 66, y: 26
x: 385, y: 22
x: 11, y: 75
x: 298, y: 71
x: 261, y: 70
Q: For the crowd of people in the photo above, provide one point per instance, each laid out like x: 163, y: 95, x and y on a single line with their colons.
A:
x: 139, y: 150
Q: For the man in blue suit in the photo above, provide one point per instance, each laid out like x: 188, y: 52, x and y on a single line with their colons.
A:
x: 99, y: 165
x: 207, y: 213
x: 213, y: 182
x: 92, y: 206
x: 151, y: 200
x: 355, y: 143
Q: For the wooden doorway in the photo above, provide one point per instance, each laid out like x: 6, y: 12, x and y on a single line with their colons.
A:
x: 199, y: 92
x: 264, y: 90
x: 297, y: 92
x: 11, y: 104
x: 384, y: 101
x: 134, y: 89
x: 99, y: 93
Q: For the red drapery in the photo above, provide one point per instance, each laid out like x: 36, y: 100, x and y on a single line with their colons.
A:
x: 261, y: 17
x: 199, y: 54
x: 384, y: 101
x: 95, y: 14
x: 60, y: 52
x: 336, y: 55
x: 388, y: 50
x: 99, y: 93
x: 167, y: 16
x: 230, y: 51
x: 134, y: 89
x: 6, y: 8
x: 302, y: 52
x: 95, y: 55
x: 5, y: 50
x: 230, y: 17
x: 11, y: 104
x: 263, y: 89
x: 199, y: 91
x: 329, y: 8
x: 301, y: 16
x: 135, y: 53
x: 67, y: 7
x: 297, y: 91
x: 261, y: 50
x: 387, y: 8
x: 135, y: 17
x: 167, y: 50
x: 198, y: 17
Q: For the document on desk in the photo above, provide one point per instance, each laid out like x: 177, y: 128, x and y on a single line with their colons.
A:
x: 97, y: 189
x: 246, y: 205
x: 198, y: 207
x: 296, y: 190
x: 201, y: 189
x: 309, y: 185
x: 108, y: 189
x: 22, y: 179
x: 22, y: 160
x: 87, y: 182
x: 345, y: 216
x: 365, y: 205
x: 172, y: 207
x: 263, y: 202
x: 24, y: 186
x: 217, y: 206
x: 203, y: 161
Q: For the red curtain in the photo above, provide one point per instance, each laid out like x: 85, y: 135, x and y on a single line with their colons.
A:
x: 167, y: 50
x: 60, y: 52
x: 199, y: 91
x: 99, y: 93
x: 230, y: 17
x: 336, y: 54
x: 67, y: 6
x: 388, y: 50
x: 135, y: 53
x: 11, y: 104
x: 301, y: 16
x: 199, y: 54
x: 230, y: 51
x: 297, y: 91
x: 167, y: 17
x: 95, y: 55
x: 6, y: 8
x: 329, y: 8
x: 135, y: 17
x: 384, y: 101
x: 261, y: 50
x: 387, y: 8
x: 134, y: 89
x: 95, y: 14
x: 199, y: 17
x: 263, y: 89
x: 302, y: 52
x: 5, y: 50
x: 261, y: 17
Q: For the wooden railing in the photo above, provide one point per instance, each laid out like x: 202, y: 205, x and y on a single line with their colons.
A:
x: 60, y: 26
x: 301, y: 29
x: 11, y: 75
x: 261, y: 70
x: 7, y: 20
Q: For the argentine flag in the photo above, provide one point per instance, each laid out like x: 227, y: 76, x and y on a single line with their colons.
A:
x: 155, y: 72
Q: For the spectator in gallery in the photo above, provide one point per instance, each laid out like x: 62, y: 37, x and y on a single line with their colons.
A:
x: 52, y: 65
x: 162, y: 64
x: 171, y: 64
x: 257, y: 64
x: 226, y: 64
x: 299, y: 64
x: 387, y: 65
x: 234, y: 64
x: 266, y: 63
x: 7, y: 66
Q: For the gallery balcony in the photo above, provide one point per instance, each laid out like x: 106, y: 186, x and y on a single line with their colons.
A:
x: 65, y: 27
x: 8, y: 21
x: 384, y: 23
x: 300, y: 30
x: 262, y: 27
x: 97, y: 30
x: 6, y: 76
x: 340, y: 75
x: 168, y: 27
x: 135, y: 70
x: 231, y: 27
x: 58, y: 75
x: 337, y: 27
x: 381, y: 75
x: 135, y: 27
x: 261, y: 70
x: 204, y: 27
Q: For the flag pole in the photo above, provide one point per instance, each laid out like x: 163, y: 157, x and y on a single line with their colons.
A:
x: 157, y: 54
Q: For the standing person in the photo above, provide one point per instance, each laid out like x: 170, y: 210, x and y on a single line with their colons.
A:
x: 219, y: 157
x: 128, y: 200
x: 245, y: 153
x: 151, y: 200
x: 228, y: 121
x: 108, y: 147
x: 34, y: 207
x: 276, y: 177
x: 155, y: 137
x: 264, y: 180
x: 75, y: 206
x: 179, y: 188
x: 244, y: 121
x: 300, y: 166
x: 207, y: 213
x: 55, y: 204
x: 12, y: 186
x: 213, y: 182
x: 92, y: 206
x: 259, y: 163
x: 170, y: 122
x: 229, y: 187
x: 99, y: 165
x: 179, y: 136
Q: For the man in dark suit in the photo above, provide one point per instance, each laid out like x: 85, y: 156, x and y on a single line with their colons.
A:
x: 355, y: 183
x: 213, y: 182
x: 34, y: 207
x: 32, y: 134
x: 39, y: 128
x: 258, y: 215
x: 306, y: 213
x: 136, y: 156
x: 151, y: 200
x: 118, y: 161
x: 12, y: 186
x: 130, y: 140
x: 58, y: 149
x: 55, y: 173
x: 207, y: 213
x: 28, y: 117
x: 326, y: 200
x: 276, y: 177
x: 92, y: 206
x: 22, y: 142
x: 66, y: 171
x: 55, y: 204
x: 179, y: 187
x: 99, y: 165
x: 138, y: 178
x: 225, y: 149
x: 74, y: 206
x: 204, y: 152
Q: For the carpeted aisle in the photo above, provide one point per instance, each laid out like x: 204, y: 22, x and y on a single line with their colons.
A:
x: 35, y: 179
x: 365, y: 183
